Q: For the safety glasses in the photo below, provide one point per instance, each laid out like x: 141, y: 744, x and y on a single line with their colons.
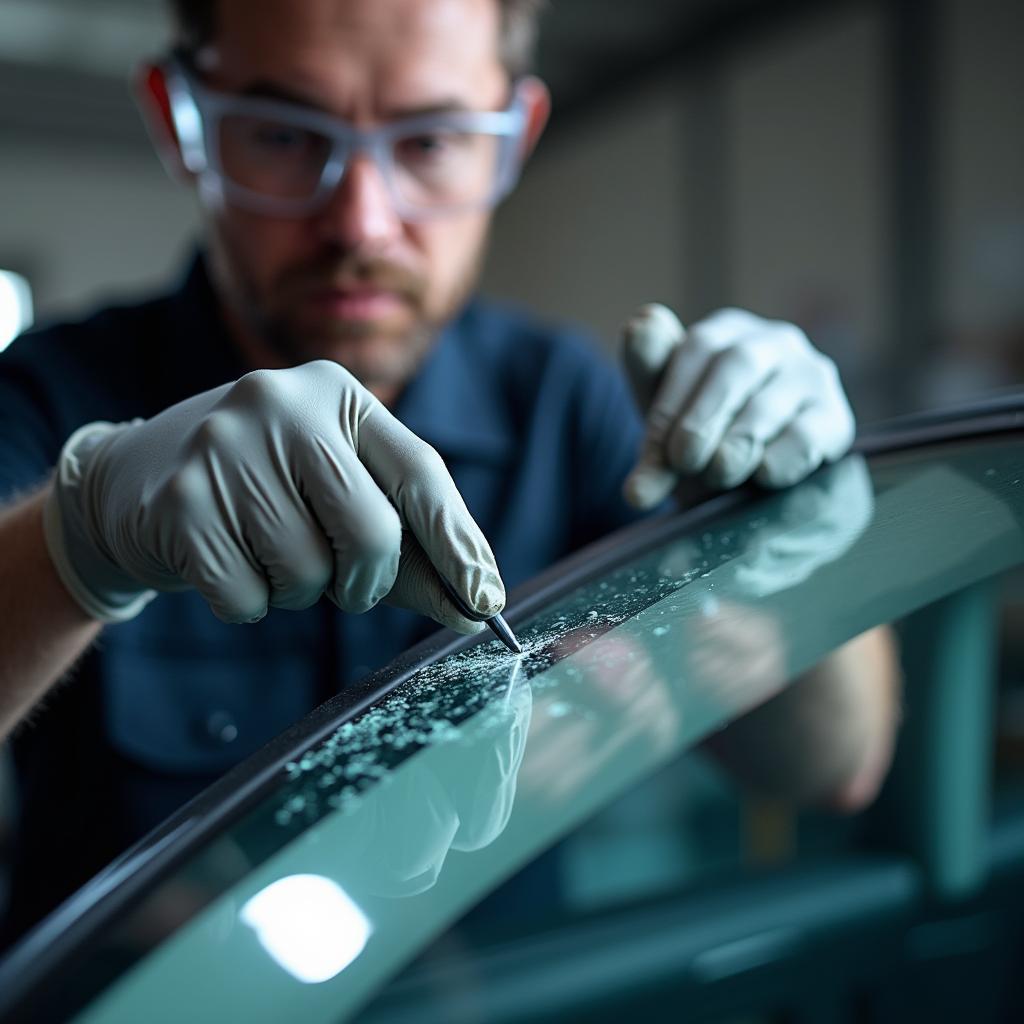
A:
x: 280, y: 159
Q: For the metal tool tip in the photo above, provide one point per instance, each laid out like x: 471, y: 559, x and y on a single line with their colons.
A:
x: 501, y: 630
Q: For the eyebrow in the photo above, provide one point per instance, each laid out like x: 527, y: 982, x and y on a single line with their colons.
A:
x: 271, y: 90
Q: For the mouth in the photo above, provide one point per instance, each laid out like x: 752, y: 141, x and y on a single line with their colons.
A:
x: 358, y: 302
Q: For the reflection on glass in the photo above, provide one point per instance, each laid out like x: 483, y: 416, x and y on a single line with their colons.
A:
x: 401, y: 831
x: 308, y: 924
x: 728, y: 649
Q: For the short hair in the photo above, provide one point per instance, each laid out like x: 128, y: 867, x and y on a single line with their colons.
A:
x: 195, y: 23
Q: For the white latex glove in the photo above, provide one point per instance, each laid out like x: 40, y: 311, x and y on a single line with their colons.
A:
x: 273, y: 490
x: 735, y: 396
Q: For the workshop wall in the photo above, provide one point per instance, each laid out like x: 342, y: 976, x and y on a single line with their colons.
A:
x: 754, y: 179
x: 596, y: 226
x: 87, y: 223
x: 806, y: 230
x: 765, y: 176
x: 980, y: 202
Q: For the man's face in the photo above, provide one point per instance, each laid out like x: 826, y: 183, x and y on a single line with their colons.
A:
x: 352, y: 281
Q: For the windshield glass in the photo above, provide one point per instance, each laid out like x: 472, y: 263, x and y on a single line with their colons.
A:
x: 375, y: 838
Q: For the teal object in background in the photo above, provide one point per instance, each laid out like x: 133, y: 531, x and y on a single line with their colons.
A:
x: 375, y: 839
x: 942, y: 776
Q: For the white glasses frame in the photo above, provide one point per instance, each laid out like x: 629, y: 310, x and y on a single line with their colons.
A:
x: 196, y: 112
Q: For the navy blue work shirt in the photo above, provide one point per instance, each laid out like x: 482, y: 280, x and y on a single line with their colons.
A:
x: 535, y: 425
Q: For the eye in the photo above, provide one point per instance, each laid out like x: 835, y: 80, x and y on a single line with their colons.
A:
x: 279, y: 137
x: 437, y: 152
x: 429, y: 146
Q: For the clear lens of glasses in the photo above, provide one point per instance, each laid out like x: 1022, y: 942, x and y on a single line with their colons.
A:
x: 271, y: 158
x: 446, y: 169
x: 439, y: 167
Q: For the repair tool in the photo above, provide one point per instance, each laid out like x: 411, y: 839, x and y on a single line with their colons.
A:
x: 499, y: 627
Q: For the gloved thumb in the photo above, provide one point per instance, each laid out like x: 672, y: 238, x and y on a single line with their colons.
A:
x: 649, y: 340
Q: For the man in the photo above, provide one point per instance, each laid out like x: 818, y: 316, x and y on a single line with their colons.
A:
x: 259, y: 439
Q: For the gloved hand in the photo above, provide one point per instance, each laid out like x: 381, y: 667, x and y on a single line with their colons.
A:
x: 735, y: 396
x: 273, y: 490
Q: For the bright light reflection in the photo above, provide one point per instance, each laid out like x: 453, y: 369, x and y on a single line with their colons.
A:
x: 308, y: 924
x: 15, y: 307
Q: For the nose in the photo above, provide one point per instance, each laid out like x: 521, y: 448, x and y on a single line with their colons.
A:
x: 360, y: 211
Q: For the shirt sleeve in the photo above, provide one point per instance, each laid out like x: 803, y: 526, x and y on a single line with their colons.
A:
x: 29, y: 435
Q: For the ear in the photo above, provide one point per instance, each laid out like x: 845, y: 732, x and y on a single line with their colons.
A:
x: 537, y: 100
x: 149, y: 85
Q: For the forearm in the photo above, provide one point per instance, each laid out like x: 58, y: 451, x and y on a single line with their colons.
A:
x: 42, y: 630
x: 828, y: 738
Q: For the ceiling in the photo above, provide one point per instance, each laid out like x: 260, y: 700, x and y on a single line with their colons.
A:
x: 64, y: 63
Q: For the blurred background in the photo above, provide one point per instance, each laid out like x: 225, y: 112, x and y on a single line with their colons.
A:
x: 855, y: 166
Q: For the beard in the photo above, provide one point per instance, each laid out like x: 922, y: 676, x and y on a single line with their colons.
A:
x: 382, y: 351
x: 294, y: 319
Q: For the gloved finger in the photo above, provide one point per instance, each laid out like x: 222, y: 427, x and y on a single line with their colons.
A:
x: 653, y: 478
x: 649, y: 338
x: 418, y: 588
x: 364, y: 530
x: 656, y: 474
x: 818, y: 434
x: 724, y: 326
x: 416, y: 480
x: 732, y: 377
x: 650, y: 482
x: 290, y: 546
x: 203, y: 549
x: 779, y: 401
x: 237, y: 593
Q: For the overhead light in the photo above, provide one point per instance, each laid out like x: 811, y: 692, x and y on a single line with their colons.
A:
x: 15, y: 307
